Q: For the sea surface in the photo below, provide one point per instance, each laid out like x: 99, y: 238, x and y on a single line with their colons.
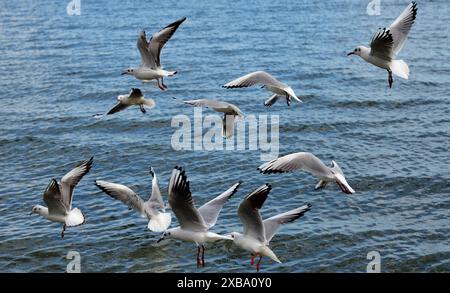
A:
x: 59, y: 71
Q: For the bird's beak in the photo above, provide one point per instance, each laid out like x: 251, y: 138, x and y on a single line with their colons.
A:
x: 31, y: 213
x: 123, y: 72
x: 351, y: 53
x: 160, y: 239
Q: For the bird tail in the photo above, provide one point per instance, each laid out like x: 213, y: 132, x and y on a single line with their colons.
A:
x: 268, y: 252
x: 159, y: 222
x: 75, y: 218
x: 150, y: 103
x: 168, y: 73
x: 400, y: 68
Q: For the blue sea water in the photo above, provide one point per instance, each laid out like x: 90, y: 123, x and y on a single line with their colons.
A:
x: 393, y: 144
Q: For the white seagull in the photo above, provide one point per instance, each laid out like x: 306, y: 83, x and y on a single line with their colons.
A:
x: 150, y: 67
x: 309, y: 163
x: 387, y: 43
x: 194, y: 223
x: 58, y: 198
x: 230, y: 113
x: 268, y: 82
x: 151, y: 209
x: 135, y: 97
x: 258, y: 233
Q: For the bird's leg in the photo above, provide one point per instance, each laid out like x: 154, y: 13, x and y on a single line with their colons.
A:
x: 142, y: 108
x: 159, y: 85
x: 203, y: 255
x: 390, y: 79
x: 62, y: 231
x: 252, y: 260
x: 162, y: 83
x: 198, y: 256
x: 259, y: 261
x: 288, y: 100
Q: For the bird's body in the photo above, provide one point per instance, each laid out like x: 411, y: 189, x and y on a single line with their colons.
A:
x: 197, y: 237
x: 194, y: 223
x: 267, y: 81
x: 58, y: 198
x: 150, y: 51
x: 230, y: 113
x: 387, y: 43
x: 258, y: 233
x: 310, y: 163
x: 153, y: 209
x: 134, y: 98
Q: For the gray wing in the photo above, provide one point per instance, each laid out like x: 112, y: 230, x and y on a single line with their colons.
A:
x: 117, y: 108
x: 257, y: 77
x: 210, y: 210
x: 382, y: 45
x: 124, y: 194
x: 146, y: 59
x: 160, y: 38
x: 249, y: 214
x: 296, y: 161
x: 71, y: 179
x: 272, y: 100
x: 402, y: 25
x: 227, y: 126
x: 135, y: 93
x: 53, y: 199
x: 155, y: 201
x: 215, y: 105
x: 271, y: 225
x: 182, y: 204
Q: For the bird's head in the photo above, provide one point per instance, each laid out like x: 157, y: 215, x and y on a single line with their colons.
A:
x: 357, y: 51
x: 167, y: 234
x: 129, y: 71
x: 37, y: 209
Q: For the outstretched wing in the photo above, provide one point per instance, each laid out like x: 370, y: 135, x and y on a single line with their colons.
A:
x: 210, y: 210
x: 124, y: 194
x: 382, y: 45
x: 53, y: 199
x: 271, y: 225
x: 182, y: 204
x: 160, y: 38
x: 249, y: 214
x: 155, y: 201
x: 257, y: 77
x: 117, y: 108
x: 296, y: 161
x: 71, y: 179
x: 402, y: 25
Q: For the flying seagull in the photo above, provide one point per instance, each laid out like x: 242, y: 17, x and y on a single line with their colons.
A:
x: 150, y: 67
x: 309, y: 163
x: 387, y: 43
x: 268, y: 82
x: 194, y: 223
x: 150, y: 209
x: 230, y: 112
x: 135, y: 97
x: 58, y: 198
x: 258, y: 233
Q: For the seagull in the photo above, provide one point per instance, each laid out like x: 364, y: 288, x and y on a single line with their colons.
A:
x: 150, y: 67
x: 150, y: 209
x: 230, y: 112
x: 135, y: 97
x: 58, y: 198
x: 387, y: 43
x: 268, y: 82
x: 194, y: 223
x: 258, y: 233
x: 309, y: 163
